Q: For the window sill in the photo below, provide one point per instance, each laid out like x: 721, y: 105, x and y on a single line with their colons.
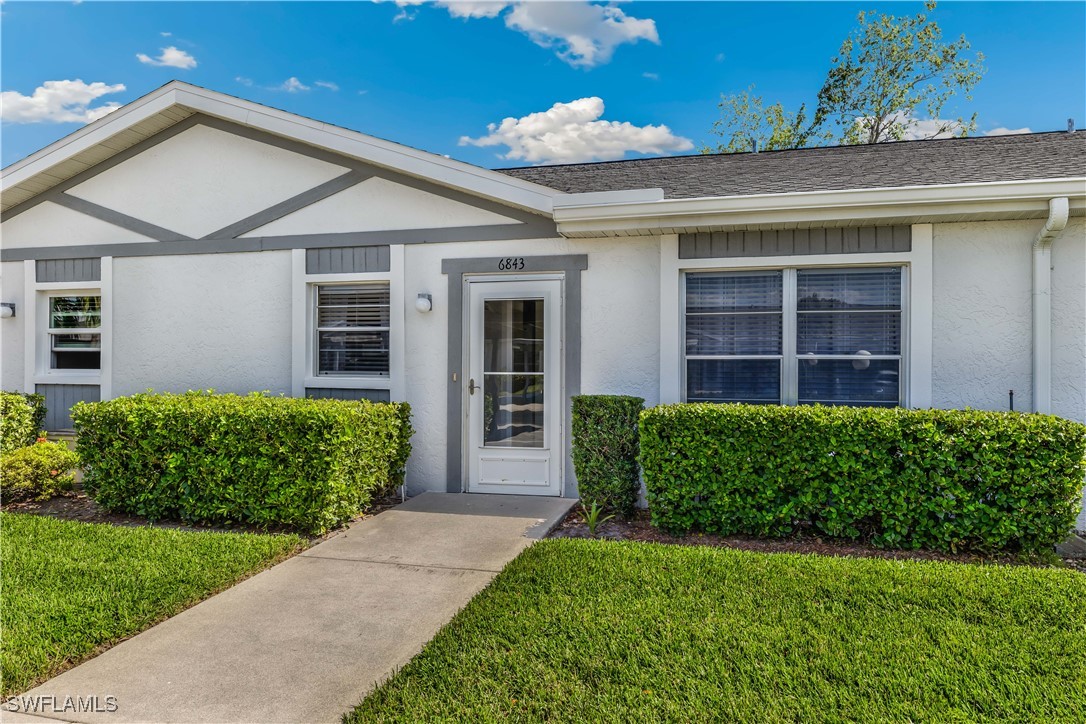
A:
x: 67, y: 378
x: 349, y: 383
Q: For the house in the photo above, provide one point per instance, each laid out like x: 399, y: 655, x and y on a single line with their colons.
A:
x: 193, y: 240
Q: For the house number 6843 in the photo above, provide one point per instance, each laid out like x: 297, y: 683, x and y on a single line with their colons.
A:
x: 513, y: 263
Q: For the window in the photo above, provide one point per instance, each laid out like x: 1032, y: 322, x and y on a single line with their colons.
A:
x: 352, y: 326
x: 829, y: 336
x: 75, y: 337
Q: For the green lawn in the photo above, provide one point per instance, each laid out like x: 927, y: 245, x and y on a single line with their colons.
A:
x: 70, y: 587
x: 605, y: 631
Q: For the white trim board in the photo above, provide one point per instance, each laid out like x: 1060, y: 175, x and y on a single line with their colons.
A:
x: 853, y: 207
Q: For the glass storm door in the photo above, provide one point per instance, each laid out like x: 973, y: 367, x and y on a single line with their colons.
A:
x: 513, y: 387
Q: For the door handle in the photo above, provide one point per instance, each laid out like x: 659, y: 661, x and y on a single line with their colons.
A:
x: 472, y: 386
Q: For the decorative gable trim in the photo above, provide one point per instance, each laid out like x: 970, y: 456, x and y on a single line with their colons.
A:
x: 525, y: 224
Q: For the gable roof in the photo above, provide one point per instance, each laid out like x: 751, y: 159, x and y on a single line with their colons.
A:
x: 884, y: 165
x: 157, y: 111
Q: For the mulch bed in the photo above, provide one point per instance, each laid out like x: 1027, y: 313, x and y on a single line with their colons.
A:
x: 638, y: 528
x: 77, y: 505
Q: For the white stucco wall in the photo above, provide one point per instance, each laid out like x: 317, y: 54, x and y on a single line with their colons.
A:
x: 1069, y: 322
x: 982, y: 336
x: 11, y: 330
x: 619, y: 321
x: 378, y: 205
x: 49, y: 224
x: 1069, y: 328
x: 981, y: 331
x: 218, y: 321
x: 204, y: 179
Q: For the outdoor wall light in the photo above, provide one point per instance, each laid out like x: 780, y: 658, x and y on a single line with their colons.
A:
x: 424, y: 303
x: 7, y: 309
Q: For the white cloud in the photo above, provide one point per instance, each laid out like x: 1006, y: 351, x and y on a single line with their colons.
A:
x: 292, y: 85
x: 919, y: 129
x: 583, y: 34
x: 573, y: 132
x: 472, y: 9
x: 58, y: 101
x: 164, y: 34
x: 327, y: 84
x: 244, y: 81
x: 926, y: 128
x: 171, y: 57
x: 651, y: 76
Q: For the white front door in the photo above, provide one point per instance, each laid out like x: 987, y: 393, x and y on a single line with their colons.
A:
x: 513, y: 387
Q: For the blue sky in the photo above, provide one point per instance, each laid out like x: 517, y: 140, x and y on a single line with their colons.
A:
x: 422, y: 76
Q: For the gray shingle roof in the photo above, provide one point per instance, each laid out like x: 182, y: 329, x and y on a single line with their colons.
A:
x: 907, y: 163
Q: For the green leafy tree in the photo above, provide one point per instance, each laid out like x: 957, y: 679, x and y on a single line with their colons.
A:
x: 889, y: 72
x: 745, y: 120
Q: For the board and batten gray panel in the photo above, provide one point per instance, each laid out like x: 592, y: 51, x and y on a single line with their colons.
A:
x: 59, y: 400
x: 796, y: 242
x: 69, y: 270
x: 329, y: 393
x: 347, y: 260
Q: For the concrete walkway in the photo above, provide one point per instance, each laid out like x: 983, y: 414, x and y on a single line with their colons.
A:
x: 306, y: 640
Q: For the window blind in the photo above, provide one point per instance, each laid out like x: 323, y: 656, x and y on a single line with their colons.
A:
x: 352, y: 329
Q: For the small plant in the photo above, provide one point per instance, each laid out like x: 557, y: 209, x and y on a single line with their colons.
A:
x: 591, y: 517
x: 38, y: 472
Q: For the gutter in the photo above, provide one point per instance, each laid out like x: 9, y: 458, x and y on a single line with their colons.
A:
x: 1058, y: 209
x: 582, y: 215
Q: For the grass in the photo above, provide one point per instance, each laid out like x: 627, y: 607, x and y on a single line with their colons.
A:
x: 71, y: 588
x: 577, y: 630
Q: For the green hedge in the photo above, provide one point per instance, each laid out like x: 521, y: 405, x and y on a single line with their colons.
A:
x: 206, y: 458
x: 605, y: 450
x: 939, y: 479
x: 17, y: 422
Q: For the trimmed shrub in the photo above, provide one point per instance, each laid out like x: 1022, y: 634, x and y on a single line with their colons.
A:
x: 37, y: 408
x: 260, y: 460
x: 17, y: 428
x: 38, y: 471
x: 605, y: 450
x: 939, y: 479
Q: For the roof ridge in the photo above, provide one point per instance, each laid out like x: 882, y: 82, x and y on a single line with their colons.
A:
x: 1009, y: 137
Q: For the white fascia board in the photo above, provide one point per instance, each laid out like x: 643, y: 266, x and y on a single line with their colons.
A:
x: 441, y: 170
x: 596, y: 198
x: 817, y: 206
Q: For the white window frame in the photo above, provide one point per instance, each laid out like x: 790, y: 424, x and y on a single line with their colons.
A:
x: 51, y: 333
x: 38, y: 337
x: 314, y: 322
x: 789, y: 357
x: 916, y: 339
x: 304, y: 373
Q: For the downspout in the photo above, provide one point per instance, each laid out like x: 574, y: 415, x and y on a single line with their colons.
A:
x: 1042, y: 303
